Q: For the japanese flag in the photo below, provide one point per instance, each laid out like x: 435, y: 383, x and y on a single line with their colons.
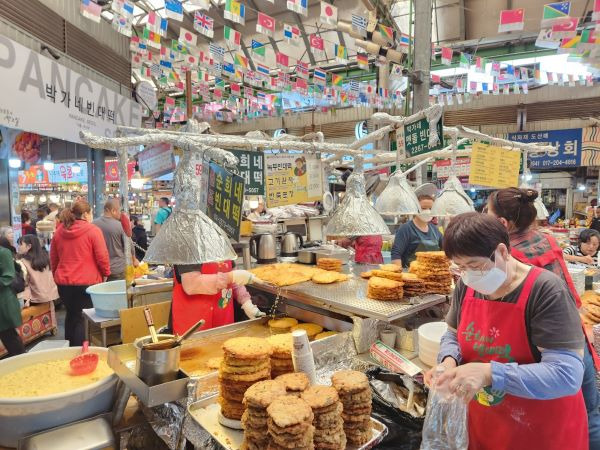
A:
x: 187, y: 37
x: 329, y: 13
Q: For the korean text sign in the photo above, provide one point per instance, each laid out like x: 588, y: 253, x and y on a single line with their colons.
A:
x: 43, y: 96
x: 225, y: 198
x: 251, y: 168
x: 414, y: 138
x: 292, y: 178
x: 156, y: 160
x: 494, y: 166
x: 568, y: 148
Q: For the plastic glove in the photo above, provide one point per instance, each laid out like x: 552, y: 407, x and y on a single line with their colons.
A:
x: 242, y: 277
x: 251, y: 310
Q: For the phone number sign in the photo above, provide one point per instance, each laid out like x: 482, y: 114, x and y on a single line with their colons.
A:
x: 567, y: 152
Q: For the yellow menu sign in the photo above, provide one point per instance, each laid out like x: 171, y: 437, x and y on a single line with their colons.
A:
x: 494, y: 166
x: 292, y: 178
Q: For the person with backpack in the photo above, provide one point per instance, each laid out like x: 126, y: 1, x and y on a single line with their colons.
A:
x: 10, y: 309
x: 79, y: 259
x: 163, y: 213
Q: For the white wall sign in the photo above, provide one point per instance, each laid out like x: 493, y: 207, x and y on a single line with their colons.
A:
x: 156, y: 160
x: 146, y: 93
x: 40, y: 95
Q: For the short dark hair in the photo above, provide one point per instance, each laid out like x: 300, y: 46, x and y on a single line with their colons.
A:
x: 586, y: 235
x: 515, y: 205
x: 165, y: 199
x: 425, y: 197
x: 474, y: 234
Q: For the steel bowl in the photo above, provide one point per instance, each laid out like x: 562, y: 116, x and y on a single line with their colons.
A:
x: 20, y: 417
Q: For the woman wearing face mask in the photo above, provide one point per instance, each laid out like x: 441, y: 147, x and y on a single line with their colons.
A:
x: 417, y: 235
x: 514, y: 346
x: 514, y: 207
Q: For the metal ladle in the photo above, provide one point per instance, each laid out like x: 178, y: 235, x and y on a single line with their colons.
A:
x: 174, y: 341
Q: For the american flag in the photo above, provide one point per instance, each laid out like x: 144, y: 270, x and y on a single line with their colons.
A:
x: 203, y: 24
x: 359, y: 24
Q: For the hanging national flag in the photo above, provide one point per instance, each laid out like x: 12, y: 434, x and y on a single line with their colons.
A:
x: 174, y: 10
x: 359, y: 24
x: 235, y: 89
x: 265, y: 24
x: 152, y: 38
x: 553, y: 11
x: 472, y: 87
x: 263, y: 70
x: 596, y: 11
x: 495, y: 70
x: 122, y: 7
x: 329, y: 14
x: 510, y: 70
x: 396, y: 71
x: 337, y: 81
x: 301, y: 85
x: 179, y: 47
x: 90, y: 10
x: 588, y: 40
x: 435, y: 78
x: 190, y: 61
x: 216, y: 51
x: 298, y: 6
x: 232, y: 37
x: 240, y: 61
x: 283, y: 60
x: 291, y: 33
x: 480, y: 64
x: 362, y: 60
x: 187, y: 38
x: 235, y: 11
x: 569, y: 45
x: 465, y: 60
x: 447, y: 55
x: 565, y: 28
x: 121, y: 24
x: 341, y: 53
x: 546, y: 40
x: 166, y: 64
x: 404, y: 40
x: 386, y: 32
x: 319, y: 77
x: 203, y: 4
x: 204, y: 24
x: 302, y: 69
x: 157, y: 24
x: 317, y: 44
x: 136, y: 61
x: 511, y: 20
x: 228, y: 69
x: 259, y: 50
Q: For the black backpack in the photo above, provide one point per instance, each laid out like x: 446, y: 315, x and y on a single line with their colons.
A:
x: 18, y: 282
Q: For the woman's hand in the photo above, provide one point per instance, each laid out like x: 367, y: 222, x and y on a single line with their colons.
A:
x: 466, y: 380
x: 587, y: 259
x: 447, y: 363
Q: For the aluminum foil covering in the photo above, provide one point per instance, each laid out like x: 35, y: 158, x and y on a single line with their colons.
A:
x: 166, y: 420
x: 397, y: 198
x: 452, y: 200
x: 355, y: 216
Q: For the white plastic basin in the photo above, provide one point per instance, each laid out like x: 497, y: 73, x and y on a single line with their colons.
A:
x: 108, y: 298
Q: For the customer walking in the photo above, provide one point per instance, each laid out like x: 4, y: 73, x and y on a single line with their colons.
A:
x: 163, y: 213
x: 114, y: 236
x: 140, y: 238
x: 79, y: 259
x: 10, y: 309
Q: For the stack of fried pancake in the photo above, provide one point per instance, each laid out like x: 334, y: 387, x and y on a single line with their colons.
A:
x: 433, y: 269
x: 281, y: 356
x: 379, y: 288
x: 246, y: 360
x: 295, y: 383
x: 290, y: 424
x: 413, y: 285
x: 355, y: 394
x: 312, y: 329
x: 254, y: 420
x: 328, y: 422
x: 330, y: 264
x: 282, y: 325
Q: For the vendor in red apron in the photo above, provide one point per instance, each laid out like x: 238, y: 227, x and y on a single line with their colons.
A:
x: 206, y: 291
x: 367, y: 249
x: 515, y: 209
x: 514, y: 346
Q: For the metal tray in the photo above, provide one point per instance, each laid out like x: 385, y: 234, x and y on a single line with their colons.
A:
x: 204, y: 414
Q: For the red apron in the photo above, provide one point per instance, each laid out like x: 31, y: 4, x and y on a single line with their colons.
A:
x: 216, y: 309
x: 549, y: 258
x: 496, y: 331
x: 367, y: 250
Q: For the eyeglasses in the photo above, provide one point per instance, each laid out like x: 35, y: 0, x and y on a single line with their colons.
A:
x: 458, y: 271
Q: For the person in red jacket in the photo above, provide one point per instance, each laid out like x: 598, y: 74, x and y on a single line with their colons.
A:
x: 79, y: 259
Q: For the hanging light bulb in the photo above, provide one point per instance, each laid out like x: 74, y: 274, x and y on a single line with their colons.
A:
x: 76, y: 168
x: 14, y: 163
x: 137, y: 182
x: 42, y: 198
x: 48, y: 164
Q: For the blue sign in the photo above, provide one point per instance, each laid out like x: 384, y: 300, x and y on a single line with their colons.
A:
x: 567, y: 143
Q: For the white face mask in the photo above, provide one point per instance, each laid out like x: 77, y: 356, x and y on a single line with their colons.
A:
x: 425, y: 215
x: 485, y: 282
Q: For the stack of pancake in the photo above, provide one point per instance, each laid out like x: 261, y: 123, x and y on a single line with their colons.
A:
x: 433, y: 269
x: 413, y: 285
x: 295, y: 383
x: 290, y: 424
x: 328, y: 422
x: 282, y: 325
x: 254, y: 420
x: 379, y: 288
x: 330, y: 264
x: 246, y: 360
x: 281, y: 356
x: 355, y: 394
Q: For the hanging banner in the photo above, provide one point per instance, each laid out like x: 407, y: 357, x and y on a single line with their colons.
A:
x: 225, y: 198
x: 35, y: 175
x: 414, y: 138
x: 156, y: 160
x: 251, y: 168
x: 40, y: 95
x: 568, y: 145
x: 442, y: 168
x: 63, y: 173
x: 293, y: 178
x: 494, y: 166
x: 111, y: 171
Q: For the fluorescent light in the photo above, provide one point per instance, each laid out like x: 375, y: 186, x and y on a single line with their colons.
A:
x: 14, y: 163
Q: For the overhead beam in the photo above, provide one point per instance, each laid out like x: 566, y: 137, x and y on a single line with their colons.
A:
x: 300, y: 25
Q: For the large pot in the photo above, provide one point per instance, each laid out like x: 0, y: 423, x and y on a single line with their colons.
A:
x: 22, y: 417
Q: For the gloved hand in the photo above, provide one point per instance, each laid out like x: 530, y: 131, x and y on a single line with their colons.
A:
x: 242, y: 277
x: 251, y: 310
